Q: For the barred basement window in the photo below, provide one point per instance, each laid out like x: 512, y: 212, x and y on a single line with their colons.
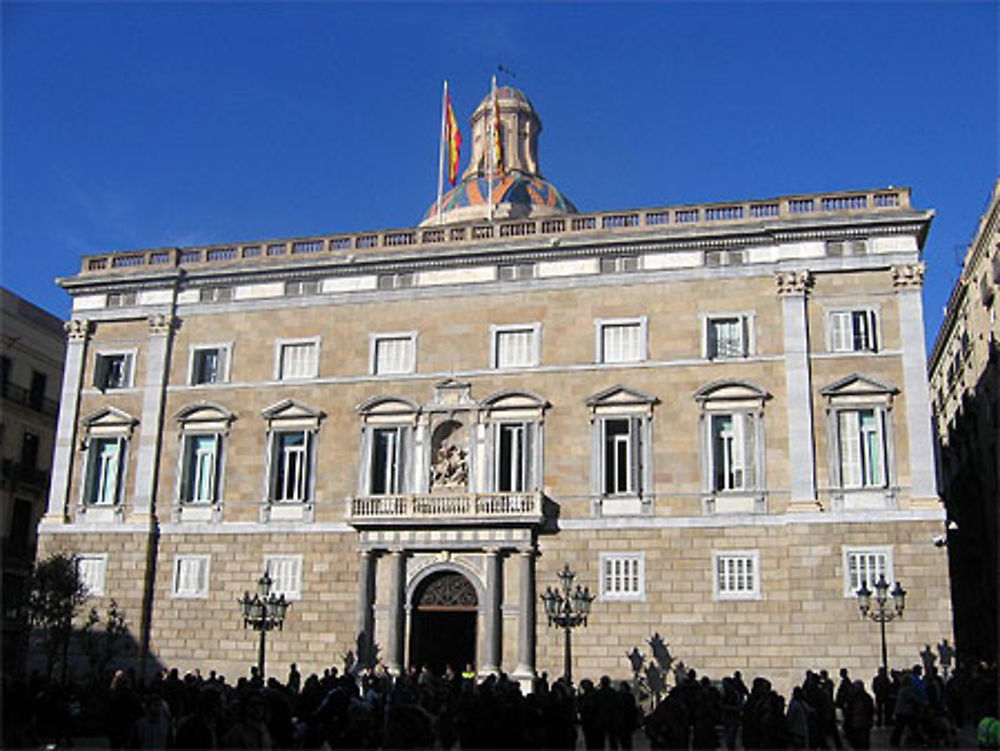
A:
x: 286, y: 575
x: 92, y: 569
x: 191, y: 576
x: 864, y: 566
x: 622, y: 576
x: 737, y: 575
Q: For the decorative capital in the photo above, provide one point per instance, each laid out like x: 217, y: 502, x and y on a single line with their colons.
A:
x: 160, y: 324
x: 77, y: 329
x: 908, y: 275
x: 794, y: 282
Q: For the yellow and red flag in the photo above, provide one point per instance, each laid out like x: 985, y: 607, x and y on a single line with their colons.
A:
x: 453, y: 139
x: 497, y: 140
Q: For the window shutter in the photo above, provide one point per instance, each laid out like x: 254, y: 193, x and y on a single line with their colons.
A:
x: 403, y: 459
x: 840, y: 332
x: 636, y: 458
x: 850, y: 449
x: 749, y: 451
x: 713, y: 339
x: 127, y: 371
x: 101, y: 373
x: 530, y: 481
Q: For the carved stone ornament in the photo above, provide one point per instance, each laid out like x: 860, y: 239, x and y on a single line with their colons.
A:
x: 908, y: 275
x: 794, y: 282
x: 450, y: 468
x: 77, y: 329
x: 447, y: 590
x: 161, y: 323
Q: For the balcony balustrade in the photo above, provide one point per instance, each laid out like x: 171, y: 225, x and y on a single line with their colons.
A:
x: 445, y: 509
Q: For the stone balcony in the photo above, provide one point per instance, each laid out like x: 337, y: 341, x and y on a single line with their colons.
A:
x: 446, y: 510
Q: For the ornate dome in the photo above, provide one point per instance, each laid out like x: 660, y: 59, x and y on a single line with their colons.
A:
x: 522, y: 191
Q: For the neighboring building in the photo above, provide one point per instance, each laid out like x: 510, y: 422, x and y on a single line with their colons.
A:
x: 965, y: 386
x: 717, y: 415
x: 31, y: 361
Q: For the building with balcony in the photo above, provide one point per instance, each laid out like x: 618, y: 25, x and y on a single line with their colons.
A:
x: 965, y: 388
x: 31, y: 361
x: 716, y: 414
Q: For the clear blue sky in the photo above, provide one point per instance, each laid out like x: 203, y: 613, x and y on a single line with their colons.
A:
x: 138, y: 125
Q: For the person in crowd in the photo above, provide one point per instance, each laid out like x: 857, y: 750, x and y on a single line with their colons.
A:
x: 859, y: 716
x: 881, y: 686
x: 797, y: 719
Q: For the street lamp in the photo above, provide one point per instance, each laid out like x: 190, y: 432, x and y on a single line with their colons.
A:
x: 567, y: 609
x: 882, y: 614
x: 262, y: 612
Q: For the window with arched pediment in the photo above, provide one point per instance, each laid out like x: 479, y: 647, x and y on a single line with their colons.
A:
x: 447, y: 590
x: 386, y: 446
x: 514, y: 441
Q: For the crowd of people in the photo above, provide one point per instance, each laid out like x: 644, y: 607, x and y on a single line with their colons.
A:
x: 371, y: 709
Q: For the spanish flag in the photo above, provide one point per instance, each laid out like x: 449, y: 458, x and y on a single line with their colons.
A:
x: 453, y: 139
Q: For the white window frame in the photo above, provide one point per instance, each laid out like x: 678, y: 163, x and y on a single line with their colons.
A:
x: 622, y: 561
x: 745, y: 437
x: 93, y: 496
x: 100, y: 370
x: 225, y: 356
x: 189, y: 465
x: 395, y: 468
x: 200, y: 591
x: 518, y: 474
x: 853, y: 584
x: 376, y: 368
x: 496, y: 335
x: 293, y: 592
x: 602, y: 324
x: 306, y: 470
x: 279, y: 358
x: 864, y: 478
x: 841, y: 329
x: 748, y: 339
x: 735, y: 557
x: 92, y: 570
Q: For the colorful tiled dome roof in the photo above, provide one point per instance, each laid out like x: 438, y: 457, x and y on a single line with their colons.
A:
x: 517, y: 194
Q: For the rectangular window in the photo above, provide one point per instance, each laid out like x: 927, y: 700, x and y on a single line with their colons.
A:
x: 92, y: 568
x: 737, y: 575
x: 200, y: 471
x: 864, y: 566
x: 511, y: 457
x: 854, y: 331
x: 622, y: 453
x: 733, y: 452
x: 216, y: 294
x: 515, y: 346
x: 29, y: 451
x: 394, y: 354
x: 6, y: 366
x: 298, y: 360
x: 36, y: 396
x: 861, y: 443
x: 512, y: 272
x: 104, y: 473
x: 291, y: 466
x: 622, y: 341
x: 208, y: 365
x: 191, y: 575
x: 286, y: 575
x: 623, y: 576
x: 619, y: 264
x: 301, y: 287
x: 727, y: 336
x: 387, y: 461
x: 113, y: 371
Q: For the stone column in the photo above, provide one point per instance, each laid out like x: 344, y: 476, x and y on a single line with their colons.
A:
x: 526, y: 617
x: 492, y: 626
x: 77, y: 333
x: 365, y: 616
x: 907, y: 281
x: 397, y: 603
x: 793, y: 289
x: 161, y: 326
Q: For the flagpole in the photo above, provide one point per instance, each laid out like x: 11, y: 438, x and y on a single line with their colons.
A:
x: 444, y: 114
x: 492, y: 147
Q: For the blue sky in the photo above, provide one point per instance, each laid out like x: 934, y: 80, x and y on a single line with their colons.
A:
x: 140, y: 125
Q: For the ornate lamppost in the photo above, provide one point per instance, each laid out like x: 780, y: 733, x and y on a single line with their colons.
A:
x: 262, y: 612
x: 882, y: 614
x: 567, y: 610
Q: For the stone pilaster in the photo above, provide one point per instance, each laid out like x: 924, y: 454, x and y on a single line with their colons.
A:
x: 525, y: 670
x: 161, y: 327
x: 793, y: 289
x: 397, y: 603
x: 492, y: 637
x: 77, y: 334
x: 907, y: 282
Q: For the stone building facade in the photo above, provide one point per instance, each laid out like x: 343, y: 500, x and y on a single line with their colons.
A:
x: 30, y: 374
x: 717, y: 415
x: 965, y: 388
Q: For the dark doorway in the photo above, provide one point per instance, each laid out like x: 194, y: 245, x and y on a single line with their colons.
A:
x: 443, y: 623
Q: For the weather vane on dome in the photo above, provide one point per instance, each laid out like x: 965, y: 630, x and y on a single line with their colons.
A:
x: 508, y: 71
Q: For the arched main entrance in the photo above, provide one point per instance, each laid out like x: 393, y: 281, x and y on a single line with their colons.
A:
x: 443, y: 622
